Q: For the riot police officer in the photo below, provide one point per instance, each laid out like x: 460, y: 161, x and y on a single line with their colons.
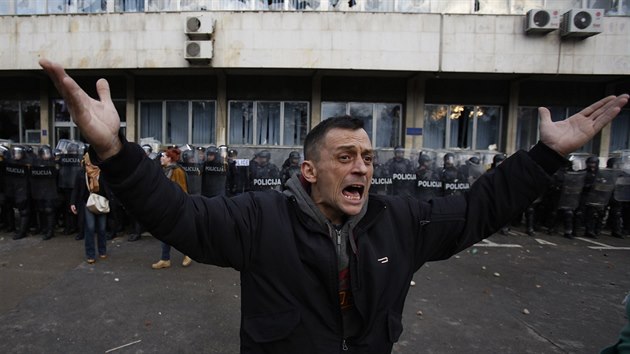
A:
x: 69, y: 167
x: 17, y: 187
x: 428, y: 182
x: 584, y: 214
x: 381, y: 179
x: 569, y: 198
x: 402, y: 172
x: 4, y: 206
x: 238, y: 174
x: 263, y: 173
x: 43, y: 177
x: 214, y: 173
x: 452, y: 180
x: 192, y: 163
x: 598, y: 198
x: 291, y: 166
x: 471, y: 170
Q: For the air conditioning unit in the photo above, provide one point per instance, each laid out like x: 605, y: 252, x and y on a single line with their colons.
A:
x: 199, y: 27
x: 198, y: 52
x: 581, y: 22
x: 542, y: 21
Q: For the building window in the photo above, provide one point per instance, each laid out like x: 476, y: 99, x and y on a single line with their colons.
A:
x: 20, y: 121
x: 64, y: 127
x: 268, y: 122
x: 129, y: 6
x: 462, y: 126
x: 620, y: 131
x: 382, y: 121
x: 178, y: 122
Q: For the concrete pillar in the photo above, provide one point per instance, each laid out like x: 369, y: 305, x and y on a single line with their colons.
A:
x: 222, y: 109
x: 414, y: 111
x: 316, y: 99
x: 131, y: 131
x: 44, y: 113
x: 512, y: 118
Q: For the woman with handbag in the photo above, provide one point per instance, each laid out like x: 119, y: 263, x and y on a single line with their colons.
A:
x: 91, y: 196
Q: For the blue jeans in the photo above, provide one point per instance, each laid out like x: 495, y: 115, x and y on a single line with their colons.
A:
x: 92, y: 222
x: 166, y: 252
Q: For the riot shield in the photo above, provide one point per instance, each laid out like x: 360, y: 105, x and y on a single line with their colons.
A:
x: 16, y: 175
x: 43, y: 178
x: 381, y: 178
x: 428, y: 183
x: 263, y: 173
x: 192, y: 163
x: 214, y: 173
x: 572, y: 184
x: 603, y: 188
x: 402, y: 172
x: 69, y: 162
x: 622, y: 189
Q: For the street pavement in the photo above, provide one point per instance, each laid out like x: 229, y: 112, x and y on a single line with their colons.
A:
x: 511, y: 294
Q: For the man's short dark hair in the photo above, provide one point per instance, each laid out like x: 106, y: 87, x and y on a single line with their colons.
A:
x: 314, y: 138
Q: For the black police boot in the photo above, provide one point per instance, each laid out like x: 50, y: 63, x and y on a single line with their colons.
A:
x: 49, y: 227
x: 24, y: 224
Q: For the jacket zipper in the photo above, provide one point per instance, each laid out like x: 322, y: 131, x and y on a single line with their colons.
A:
x: 344, y: 345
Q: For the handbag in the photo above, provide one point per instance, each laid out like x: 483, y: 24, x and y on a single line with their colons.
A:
x: 96, y: 203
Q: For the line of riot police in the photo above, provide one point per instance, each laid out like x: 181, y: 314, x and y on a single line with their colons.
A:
x: 583, y: 196
x: 428, y: 173
x: 35, y: 183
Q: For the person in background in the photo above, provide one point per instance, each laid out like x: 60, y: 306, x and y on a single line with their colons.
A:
x: 86, y: 183
x: 177, y: 175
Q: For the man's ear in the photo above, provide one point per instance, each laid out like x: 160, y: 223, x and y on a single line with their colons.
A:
x: 308, y: 170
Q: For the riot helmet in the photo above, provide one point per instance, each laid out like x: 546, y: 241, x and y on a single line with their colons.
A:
x: 497, y: 159
x: 73, y: 148
x: 232, y: 154
x: 17, y: 152
x: 57, y: 153
x: 263, y: 157
x: 212, y: 153
x: 201, y: 153
x: 45, y: 153
x: 147, y: 149
x: 424, y: 160
x: 188, y: 156
x: 473, y: 160
x: 449, y: 160
x: 294, y: 157
x: 399, y: 152
x: 592, y: 163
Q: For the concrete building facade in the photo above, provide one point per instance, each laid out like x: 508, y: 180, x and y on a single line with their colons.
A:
x: 430, y: 77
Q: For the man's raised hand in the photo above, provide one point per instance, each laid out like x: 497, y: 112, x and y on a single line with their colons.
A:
x: 570, y: 134
x: 97, y: 120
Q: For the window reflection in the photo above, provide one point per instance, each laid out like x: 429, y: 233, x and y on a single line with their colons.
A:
x: 295, y: 123
x: 462, y: 126
x: 129, y: 5
x: 382, y: 121
x: 620, y: 131
x: 241, y: 122
x: 275, y: 123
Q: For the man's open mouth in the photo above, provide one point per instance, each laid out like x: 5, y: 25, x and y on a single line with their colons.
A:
x: 353, y: 191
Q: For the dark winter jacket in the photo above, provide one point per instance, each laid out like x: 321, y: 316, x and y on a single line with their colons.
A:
x: 288, y: 262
